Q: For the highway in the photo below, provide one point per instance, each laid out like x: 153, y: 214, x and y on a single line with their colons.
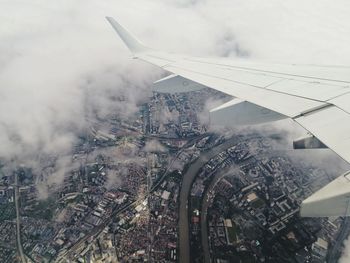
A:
x: 207, y: 199
x: 18, y: 222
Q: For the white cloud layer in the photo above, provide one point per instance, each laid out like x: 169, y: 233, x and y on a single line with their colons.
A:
x: 60, y: 61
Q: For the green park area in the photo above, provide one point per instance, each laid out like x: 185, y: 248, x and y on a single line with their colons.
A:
x: 7, y: 211
x: 233, y: 233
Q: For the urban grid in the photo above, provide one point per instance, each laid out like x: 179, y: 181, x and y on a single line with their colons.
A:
x: 163, y: 187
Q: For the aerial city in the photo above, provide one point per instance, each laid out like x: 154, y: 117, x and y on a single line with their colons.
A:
x: 216, y: 156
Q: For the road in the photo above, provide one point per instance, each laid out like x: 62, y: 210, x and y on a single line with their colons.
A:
x: 188, y: 178
x: 204, y: 211
x: 335, y: 251
x: 18, y: 222
x: 96, y: 231
x: 190, y: 142
x: 93, y: 233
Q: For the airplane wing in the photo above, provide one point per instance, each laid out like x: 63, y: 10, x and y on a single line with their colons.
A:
x: 315, y: 97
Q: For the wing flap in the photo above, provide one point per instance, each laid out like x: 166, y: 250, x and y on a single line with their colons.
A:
x: 237, y: 112
x: 331, y: 200
x: 331, y: 126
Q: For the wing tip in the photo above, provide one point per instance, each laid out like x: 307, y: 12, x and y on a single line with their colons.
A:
x: 109, y: 18
x: 134, y: 45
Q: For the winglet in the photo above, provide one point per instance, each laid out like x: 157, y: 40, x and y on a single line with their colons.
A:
x: 130, y: 41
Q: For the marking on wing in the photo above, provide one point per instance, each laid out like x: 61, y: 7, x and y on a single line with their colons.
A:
x: 245, y: 83
x: 270, y: 71
x: 285, y: 104
x: 312, y: 90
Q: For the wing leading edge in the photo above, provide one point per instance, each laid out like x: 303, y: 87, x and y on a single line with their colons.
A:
x: 316, y: 97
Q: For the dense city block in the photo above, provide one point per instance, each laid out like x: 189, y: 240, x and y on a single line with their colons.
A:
x: 117, y: 197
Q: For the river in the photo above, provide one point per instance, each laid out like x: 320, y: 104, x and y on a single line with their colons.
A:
x: 188, y: 178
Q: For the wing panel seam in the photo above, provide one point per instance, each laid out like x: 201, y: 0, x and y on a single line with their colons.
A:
x: 268, y: 71
x: 242, y: 83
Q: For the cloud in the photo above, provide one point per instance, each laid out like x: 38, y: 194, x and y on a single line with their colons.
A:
x: 211, y: 103
x: 62, y: 62
x: 153, y: 146
x: 56, y: 70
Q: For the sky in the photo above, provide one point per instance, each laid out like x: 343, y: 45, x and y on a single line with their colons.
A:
x: 60, y: 62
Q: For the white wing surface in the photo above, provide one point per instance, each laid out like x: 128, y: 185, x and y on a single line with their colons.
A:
x: 316, y: 97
